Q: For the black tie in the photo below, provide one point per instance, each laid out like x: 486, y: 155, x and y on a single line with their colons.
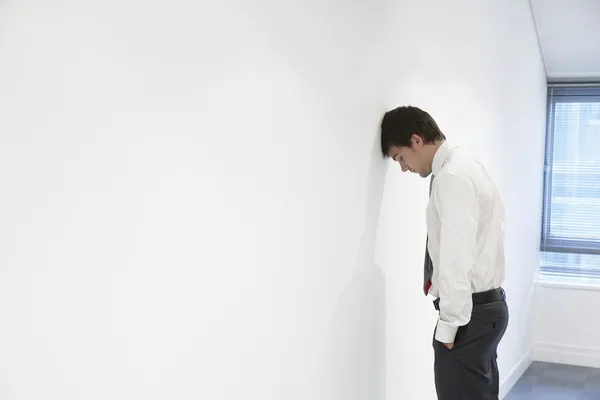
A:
x: 428, y: 267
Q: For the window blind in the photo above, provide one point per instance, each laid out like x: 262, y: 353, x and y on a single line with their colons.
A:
x: 570, y: 241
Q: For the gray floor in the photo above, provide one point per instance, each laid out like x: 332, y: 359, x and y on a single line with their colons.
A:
x: 543, y: 381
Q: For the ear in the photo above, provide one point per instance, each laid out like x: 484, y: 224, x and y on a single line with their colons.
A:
x: 417, y: 140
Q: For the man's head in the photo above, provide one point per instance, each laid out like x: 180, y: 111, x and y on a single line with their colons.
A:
x: 411, y: 137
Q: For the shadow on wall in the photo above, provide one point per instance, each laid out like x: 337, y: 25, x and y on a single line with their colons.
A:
x: 357, y: 337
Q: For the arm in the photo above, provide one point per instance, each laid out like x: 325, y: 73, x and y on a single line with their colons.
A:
x: 458, y: 210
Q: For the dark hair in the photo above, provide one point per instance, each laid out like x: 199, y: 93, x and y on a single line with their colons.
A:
x: 398, y: 126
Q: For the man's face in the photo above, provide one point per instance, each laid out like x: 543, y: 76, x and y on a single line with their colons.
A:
x: 412, y: 158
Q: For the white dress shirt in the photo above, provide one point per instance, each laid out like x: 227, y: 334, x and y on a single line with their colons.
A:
x: 466, y: 228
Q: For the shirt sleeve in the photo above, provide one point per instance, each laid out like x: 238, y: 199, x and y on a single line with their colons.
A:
x: 458, y: 209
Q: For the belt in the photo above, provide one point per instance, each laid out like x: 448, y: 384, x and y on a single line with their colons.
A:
x: 489, y: 296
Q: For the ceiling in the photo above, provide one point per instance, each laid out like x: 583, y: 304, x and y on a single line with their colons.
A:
x: 569, y: 34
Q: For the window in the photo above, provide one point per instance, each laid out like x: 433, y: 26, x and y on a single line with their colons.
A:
x: 570, y: 242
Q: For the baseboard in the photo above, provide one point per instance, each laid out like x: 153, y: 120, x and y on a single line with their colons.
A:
x: 571, y: 355
x: 515, y: 374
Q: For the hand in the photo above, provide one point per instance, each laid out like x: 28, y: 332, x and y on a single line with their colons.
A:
x: 449, y: 345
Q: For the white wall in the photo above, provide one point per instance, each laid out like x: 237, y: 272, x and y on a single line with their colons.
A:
x: 476, y: 67
x: 189, y: 200
x: 566, y: 328
x: 190, y: 192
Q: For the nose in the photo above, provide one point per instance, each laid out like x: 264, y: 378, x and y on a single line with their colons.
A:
x: 404, y: 166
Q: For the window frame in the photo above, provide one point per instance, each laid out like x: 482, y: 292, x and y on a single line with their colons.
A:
x: 552, y: 243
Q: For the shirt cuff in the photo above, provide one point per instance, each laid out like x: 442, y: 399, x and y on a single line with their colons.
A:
x: 445, y: 332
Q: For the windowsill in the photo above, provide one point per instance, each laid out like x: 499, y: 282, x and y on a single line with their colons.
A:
x: 569, y: 283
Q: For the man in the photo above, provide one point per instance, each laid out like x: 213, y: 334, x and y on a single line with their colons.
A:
x: 464, y: 267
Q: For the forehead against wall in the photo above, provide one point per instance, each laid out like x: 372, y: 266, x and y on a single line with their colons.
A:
x: 193, y: 198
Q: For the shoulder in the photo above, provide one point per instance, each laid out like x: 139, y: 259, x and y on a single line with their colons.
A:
x: 454, y: 179
x: 461, y: 166
x: 457, y: 176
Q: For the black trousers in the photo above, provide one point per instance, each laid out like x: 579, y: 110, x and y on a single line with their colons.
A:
x: 469, y: 371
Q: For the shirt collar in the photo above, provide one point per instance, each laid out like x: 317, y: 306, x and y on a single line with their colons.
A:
x: 440, y: 157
